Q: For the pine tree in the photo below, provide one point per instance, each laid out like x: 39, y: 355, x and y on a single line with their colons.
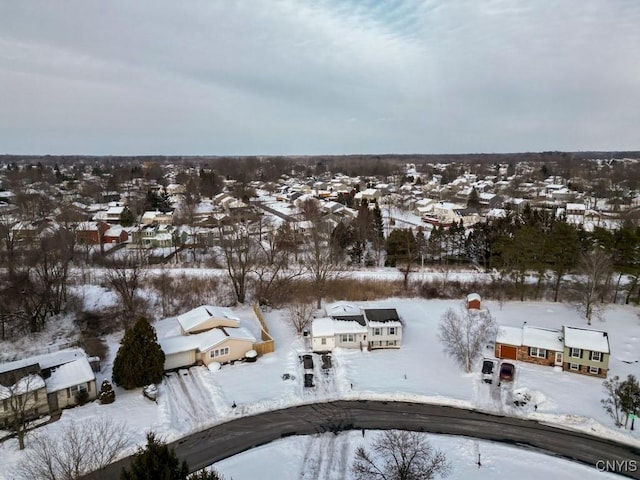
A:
x: 106, y: 394
x: 156, y: 461
x: 140, y: 360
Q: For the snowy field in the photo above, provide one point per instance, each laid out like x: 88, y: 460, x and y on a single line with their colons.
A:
x: 196, y: 398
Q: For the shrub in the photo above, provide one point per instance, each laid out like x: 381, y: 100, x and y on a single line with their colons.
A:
x: 106, y: 394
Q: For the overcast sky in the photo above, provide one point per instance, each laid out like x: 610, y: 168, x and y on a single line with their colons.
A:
x: 318, y: 76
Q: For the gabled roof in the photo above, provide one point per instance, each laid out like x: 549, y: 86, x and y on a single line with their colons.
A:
x: 193, y: 318
x: 594, y: 340
x: 70, y: 374
x: 546, y: 338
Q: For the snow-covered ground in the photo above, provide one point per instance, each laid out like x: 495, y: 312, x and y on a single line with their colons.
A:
x: 329, y: 457
x: 196, y: 398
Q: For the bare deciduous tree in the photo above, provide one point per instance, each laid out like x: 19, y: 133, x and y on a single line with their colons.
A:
x: 465, y: 334
x: 273, y: 270
x: 300, y: 315
x: 23, y: 396
x: 318, y: 257
x: 400, y: 455
x: 593, y: 274
x: 80, y: 449
x: 239, y: 251
x: 125, y: 276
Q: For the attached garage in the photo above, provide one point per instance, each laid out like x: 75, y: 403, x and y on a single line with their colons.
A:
x: 508, y: 340
x: 178, y: 352
x: 507, y: 351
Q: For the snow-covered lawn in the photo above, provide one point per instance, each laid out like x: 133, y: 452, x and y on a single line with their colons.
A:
x: 328, y: 457
x: 195, y: 398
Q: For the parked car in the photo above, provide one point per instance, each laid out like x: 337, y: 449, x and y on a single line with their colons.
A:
x: 488, y: 366
x: 507, y: 370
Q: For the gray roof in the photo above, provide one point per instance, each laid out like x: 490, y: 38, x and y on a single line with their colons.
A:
x: 382, y: 314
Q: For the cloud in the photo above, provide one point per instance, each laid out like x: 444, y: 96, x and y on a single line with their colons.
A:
x: 329, y: 76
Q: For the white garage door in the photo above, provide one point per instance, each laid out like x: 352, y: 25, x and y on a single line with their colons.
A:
x: 180, y: 359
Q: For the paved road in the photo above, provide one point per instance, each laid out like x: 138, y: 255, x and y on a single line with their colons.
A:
x: 209, y: 446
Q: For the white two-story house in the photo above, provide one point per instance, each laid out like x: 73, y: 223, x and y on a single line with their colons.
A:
x: 349, y: 326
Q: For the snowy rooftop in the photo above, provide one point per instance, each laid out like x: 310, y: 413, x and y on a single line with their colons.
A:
x: 473, y: 296
x: 203, y: 341
x: 546, y: 338
x: 195, y: 317
x: 509, y: 335
x: 45, y: 361
x: 26, y: 384
x: 70, y: 374
x: 343, y: 309
x: 594, y: 340
x: 327, y: 327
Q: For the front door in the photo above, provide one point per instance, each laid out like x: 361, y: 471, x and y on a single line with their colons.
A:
x: 559, y: 359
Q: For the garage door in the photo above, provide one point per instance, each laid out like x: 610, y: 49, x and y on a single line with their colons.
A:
x: 507, y: 351
x: 180, y: 359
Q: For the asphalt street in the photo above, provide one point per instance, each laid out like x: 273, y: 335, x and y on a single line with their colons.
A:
x: 225, y: 440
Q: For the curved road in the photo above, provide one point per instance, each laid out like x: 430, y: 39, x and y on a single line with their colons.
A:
x: 222, y: 441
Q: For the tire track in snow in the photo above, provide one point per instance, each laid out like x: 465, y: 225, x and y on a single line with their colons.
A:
x: 189, y: 407
x: 216, y: 396
x: 324, y: 457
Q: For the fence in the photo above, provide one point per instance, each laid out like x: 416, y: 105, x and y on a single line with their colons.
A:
x: 267, y: 345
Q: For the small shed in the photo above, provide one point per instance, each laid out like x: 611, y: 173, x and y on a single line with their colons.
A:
x: 473, y: 301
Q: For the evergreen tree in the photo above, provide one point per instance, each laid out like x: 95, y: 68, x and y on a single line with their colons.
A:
x: 106, y: 393
x: 127, y: 218
x: 155, y: 462
x: 140, y: 360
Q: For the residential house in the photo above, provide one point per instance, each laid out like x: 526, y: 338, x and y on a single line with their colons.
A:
x: 22, y: 392
x: 206, y: 334
x: 71, y: 384
x: 573, y: 349
x: 349, y: 326
x: 542, y: 346
x: 586, y: 351
x: 384, y: 328
x: 91, y: 233
x: 115, y: 235
x: 51, y: 382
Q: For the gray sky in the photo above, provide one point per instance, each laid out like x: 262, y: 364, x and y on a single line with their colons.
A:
x: 318, y: 76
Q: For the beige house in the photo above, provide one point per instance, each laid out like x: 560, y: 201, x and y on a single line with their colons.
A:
x: 22, y: 392
x: 71, y: 384
x: 207, y: 334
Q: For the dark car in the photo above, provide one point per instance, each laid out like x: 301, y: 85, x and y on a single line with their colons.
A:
x: 507, y: 370
x: 487, y: 370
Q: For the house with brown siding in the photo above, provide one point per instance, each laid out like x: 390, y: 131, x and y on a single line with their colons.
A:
x: 574, y: 349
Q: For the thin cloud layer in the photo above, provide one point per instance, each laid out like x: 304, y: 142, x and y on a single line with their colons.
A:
x: 328, y: 76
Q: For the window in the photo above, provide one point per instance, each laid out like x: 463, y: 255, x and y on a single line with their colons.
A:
x: 574, y: 366
x: 78, y: 388
x: 391, y: 343
x: 594, y: 370
x: 348, y: 337
x: 537, y: 352
x: 323, y: 341
x: 392, y: 330
x: 377, y: 331
x: 575, y: 353
x: 219, y: 352
x: 595, y: 356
